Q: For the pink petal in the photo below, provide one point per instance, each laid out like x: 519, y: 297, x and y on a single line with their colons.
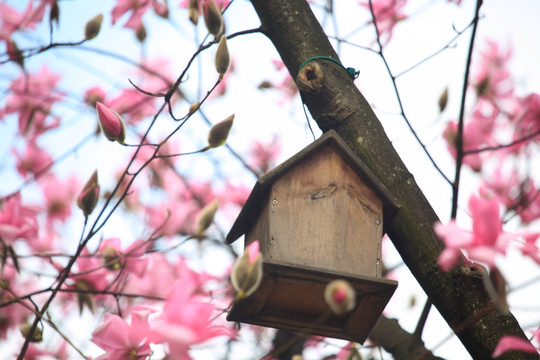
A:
x: 253, y: 251
x: 507, y: 343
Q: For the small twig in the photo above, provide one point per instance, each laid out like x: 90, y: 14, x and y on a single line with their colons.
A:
x: 459, y: 135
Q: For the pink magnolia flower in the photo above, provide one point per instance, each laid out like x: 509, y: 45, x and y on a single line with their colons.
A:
x: 90, y: 276
x: 482, y: 243
x: 387, y: 14
x: 476, y: 134
x: 530, y: 247
x: 11, y: 20
x: 111, y: 123
x: 137, y: 9
x: 121, y: 340
x: 528, y: 203
x: 93, y: 95
x: 158, y: 280
x: 17, y: 221
x: 59, y: 196
x: 492, y: 79
x: 12, y: 316
x: 505, y: 184
x: 263, y: 156
x: 33, y: 160
x: 527, y: 118
x: 129, y: 260
x: 287, y: 85
x: 186, y: 321
x: 133, y: 104
x: 32, y: 97
x: 507, y: 343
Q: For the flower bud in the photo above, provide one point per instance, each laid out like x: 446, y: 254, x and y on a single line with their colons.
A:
x: 14, y: 53
x: 340, y: 296
x: 161, y: 9
x: 54, y: 14
x: 140, y: 34
x: 88, y: 198
x: 222, y: 59
x: 247, y: 271
x: 84, y: 298
x: 110, y: 258
x: 35, y: 337
x: 93, y: 26
x: 443, y: 100
x: 193, y: 11
x: 212, y: 18
x: 206, y: 217
x: 218, y: 133
x: 111, y: 123
x: 194, y: 107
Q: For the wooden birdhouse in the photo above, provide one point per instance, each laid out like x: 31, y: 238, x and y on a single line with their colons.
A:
x: 318, y: 217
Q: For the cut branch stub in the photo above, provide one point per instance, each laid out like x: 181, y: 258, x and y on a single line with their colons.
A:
x: 310, y: 78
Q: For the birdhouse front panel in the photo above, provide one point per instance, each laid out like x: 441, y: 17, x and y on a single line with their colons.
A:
x: 321, y: 214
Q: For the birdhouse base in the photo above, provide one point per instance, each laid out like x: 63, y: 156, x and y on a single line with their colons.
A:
x: 292, y: 298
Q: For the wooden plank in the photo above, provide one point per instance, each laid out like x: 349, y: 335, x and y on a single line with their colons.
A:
x: 323, y: 216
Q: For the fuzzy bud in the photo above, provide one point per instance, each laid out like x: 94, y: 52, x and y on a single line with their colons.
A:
x: 54, y: 14
x: 340, y: 296
x: 193, y: 107
x: 161, y: 9
x: 88, y: 198
x: 34, y: 337
x: 206, y: 217
x: 193, y: 11
x: 443, y: 100
x: 247, y: 271
x: 218, y: 133
x: 93, y: 26
x: 140, y: 34
x: 111, y: 123
x: 110, y: 258
x: 212, y: 18
x: 222, y: 59
x: 84, y: 297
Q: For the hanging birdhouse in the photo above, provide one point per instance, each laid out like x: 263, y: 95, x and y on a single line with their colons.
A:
x: 318, y: 217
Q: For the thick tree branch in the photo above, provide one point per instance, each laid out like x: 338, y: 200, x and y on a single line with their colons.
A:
x: 336, y: 103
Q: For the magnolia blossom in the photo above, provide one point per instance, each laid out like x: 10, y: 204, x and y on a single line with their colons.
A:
x: 482, y: 243
x: 186, y: 321
x: 33, y: 160
x: 387, y: 14
x: 264, y: 156
x: 59, y: 196
x: 133, y: 104
x: 11, y: 20
x: 137, y: 9
x: 492, y: 77
x: 527, y: 118
x: 130, y: 260
x: 158, y: 280
x: 121, y: 340
x: 32, y: 97
x: 17, y: 221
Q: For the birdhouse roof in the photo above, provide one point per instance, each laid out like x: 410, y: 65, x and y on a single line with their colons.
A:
x: 258, y: 197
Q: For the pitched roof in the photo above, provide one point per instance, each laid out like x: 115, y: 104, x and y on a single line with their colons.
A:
x: 250, y: 211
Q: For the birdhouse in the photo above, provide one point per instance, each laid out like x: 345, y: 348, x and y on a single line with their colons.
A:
x: 318, y: 216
